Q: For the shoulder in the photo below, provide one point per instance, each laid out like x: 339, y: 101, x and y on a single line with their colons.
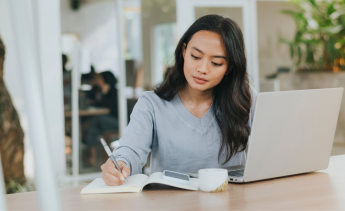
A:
x: 150, y: 100
x: 112, y: 91
x: 150, y: 103
x: 152, y: 97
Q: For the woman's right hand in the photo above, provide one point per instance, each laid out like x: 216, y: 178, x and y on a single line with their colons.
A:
x: 112, y: 176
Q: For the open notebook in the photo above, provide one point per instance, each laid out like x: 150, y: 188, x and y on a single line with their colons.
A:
x: 136, y: 183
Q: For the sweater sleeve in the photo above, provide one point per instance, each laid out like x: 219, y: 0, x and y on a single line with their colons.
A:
x: 136, y: 142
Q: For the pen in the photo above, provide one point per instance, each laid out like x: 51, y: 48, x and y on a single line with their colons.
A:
x: 111, y: 155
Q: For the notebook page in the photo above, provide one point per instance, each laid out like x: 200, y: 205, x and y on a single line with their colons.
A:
x: 99, y: 186
x: 157, y: 177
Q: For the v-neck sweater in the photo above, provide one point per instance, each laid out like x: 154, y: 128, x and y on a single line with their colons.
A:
x: 178, y: 140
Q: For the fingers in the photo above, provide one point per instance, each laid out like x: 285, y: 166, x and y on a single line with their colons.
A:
x: 126, y: 170
x: 116, y: 173
x: 111, y: 175
x: 111, y: 180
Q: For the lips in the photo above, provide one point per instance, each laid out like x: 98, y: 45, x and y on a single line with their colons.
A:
x: 199, y: 80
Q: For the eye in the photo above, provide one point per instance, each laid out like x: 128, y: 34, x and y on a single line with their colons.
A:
x: 216, y: 64
x: 196, y: 58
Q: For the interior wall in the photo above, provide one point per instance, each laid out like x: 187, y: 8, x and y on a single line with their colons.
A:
x: 153, y: 12
x: 95, y: 24
x: 272, y: 25
x: 234, y: 13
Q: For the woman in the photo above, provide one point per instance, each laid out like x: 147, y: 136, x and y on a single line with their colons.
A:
x: 103, y: 94
x: 200, y: 117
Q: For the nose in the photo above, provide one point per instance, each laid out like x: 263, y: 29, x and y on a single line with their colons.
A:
x: 202, y: 68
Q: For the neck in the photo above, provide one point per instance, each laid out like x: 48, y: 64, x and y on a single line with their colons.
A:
x: 196, y: 96
x: 105, y: 88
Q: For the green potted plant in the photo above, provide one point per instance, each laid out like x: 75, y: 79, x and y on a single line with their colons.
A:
x: 319, y: 42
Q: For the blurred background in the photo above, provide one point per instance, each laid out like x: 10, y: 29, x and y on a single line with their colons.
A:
x: 97, y: 56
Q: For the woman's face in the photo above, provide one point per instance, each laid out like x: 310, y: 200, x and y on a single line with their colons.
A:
x: 205, y: 60
x: 97, y: 80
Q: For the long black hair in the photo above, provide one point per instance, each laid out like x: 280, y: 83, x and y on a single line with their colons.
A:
x: 231, y: 97
x: 109, y: 78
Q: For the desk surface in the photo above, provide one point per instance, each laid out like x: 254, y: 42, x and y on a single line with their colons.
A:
x: 323, y: 190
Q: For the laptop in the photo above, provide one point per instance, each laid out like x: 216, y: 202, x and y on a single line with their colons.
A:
x: 292, y: 133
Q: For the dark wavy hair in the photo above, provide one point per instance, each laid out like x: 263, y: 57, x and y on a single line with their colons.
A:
x: 231, y: 97
x: 109, y: 78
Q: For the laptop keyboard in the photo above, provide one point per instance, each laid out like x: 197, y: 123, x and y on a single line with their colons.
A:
x: 237, y: 173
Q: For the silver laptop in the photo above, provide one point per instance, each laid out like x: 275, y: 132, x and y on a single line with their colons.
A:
x: 292, y: 133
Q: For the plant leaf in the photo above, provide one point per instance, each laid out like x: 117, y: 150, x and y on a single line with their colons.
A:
x: 331, y: 29
x: 299, y: 53
x: 310, y: 54
x: 282, y: 40
x: 337, y: 13
x: 291, y: 52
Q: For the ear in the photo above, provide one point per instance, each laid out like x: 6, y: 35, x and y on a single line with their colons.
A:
x: 184, y: 48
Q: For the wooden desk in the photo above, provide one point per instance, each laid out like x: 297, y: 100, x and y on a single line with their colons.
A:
x: 323, y: 190
x: 89, y: 112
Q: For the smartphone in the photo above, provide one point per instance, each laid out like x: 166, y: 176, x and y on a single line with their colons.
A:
x: 176, y: 177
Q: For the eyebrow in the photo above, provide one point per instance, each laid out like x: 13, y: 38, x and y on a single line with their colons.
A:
x: 216, y: 56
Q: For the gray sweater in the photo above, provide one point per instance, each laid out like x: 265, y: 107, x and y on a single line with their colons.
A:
x: 177, y: 140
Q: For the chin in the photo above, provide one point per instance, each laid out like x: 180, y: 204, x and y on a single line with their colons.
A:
x: 199, y: 87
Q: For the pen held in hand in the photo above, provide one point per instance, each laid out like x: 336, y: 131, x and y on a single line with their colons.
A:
x: 106, y: 148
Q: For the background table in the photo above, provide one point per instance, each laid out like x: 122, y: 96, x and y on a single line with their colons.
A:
x: 90, y: 112
x: 84, y: 113
x: 323, y: 190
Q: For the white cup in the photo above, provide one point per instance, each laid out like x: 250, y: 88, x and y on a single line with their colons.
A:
x: 213, y: 180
